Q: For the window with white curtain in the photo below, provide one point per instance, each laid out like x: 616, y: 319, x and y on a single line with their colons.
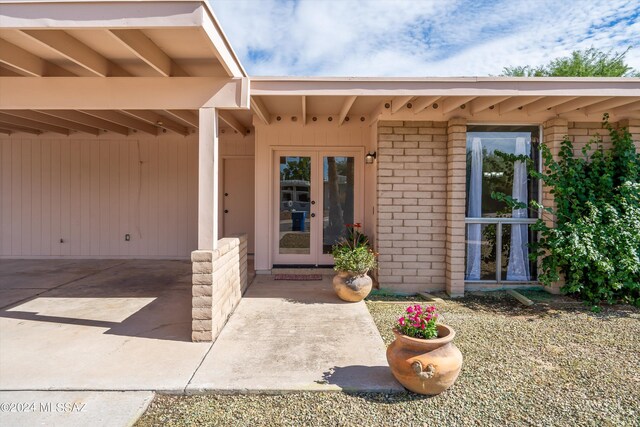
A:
x: 498, y: 237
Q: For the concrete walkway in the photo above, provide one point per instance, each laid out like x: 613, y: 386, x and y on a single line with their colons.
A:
x: 289, y: 336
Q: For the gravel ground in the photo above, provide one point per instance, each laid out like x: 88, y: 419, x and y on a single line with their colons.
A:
x: 554, y: 364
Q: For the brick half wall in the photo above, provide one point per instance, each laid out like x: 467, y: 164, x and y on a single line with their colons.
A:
x: 219, y: 280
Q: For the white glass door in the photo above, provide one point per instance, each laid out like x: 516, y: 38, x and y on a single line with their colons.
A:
x: 316, y: 196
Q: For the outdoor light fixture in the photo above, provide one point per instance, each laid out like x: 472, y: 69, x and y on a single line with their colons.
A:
x: 370, y: 157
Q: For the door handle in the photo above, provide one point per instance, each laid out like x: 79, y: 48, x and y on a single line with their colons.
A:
x: 226, y: 211
x: 313, y: 215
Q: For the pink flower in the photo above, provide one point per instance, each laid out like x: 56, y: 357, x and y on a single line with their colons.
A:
x: 409, y: 309
x: 401, y: 321
x: 422, y: 326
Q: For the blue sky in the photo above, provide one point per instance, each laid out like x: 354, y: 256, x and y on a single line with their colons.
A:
x: 421, y: 37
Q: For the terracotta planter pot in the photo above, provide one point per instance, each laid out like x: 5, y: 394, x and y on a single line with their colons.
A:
x: 350, y: 287
x: 425, y: 366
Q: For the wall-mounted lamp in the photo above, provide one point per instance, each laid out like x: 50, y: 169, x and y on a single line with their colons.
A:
x: 370, y: 157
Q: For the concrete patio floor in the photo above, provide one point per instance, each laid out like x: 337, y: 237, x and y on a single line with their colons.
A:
x: 291, y: 336
x: 96, y: 325
x: 126, y: 325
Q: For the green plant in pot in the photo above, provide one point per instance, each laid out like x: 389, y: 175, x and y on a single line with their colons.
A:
x: 354, y: 258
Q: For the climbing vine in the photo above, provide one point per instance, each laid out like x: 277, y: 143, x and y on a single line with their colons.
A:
x: 595, y: 241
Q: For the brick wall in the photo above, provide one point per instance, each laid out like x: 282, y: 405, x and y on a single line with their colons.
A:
x: 219, y: 280
x: 412, y: 205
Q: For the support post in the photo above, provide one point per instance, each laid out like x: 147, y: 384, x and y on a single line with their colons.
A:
x: 456, y: 196
x: 208, y: 179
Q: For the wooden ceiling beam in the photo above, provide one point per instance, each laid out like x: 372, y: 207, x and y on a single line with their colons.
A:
x: 55, y: 121
x: 145, y: 49
x: 484, y: 103
x: 398, y: 102
x: 515, y: 103
x: 346, y: 106
x: 232, y: 122
x: 454, y: 102
x: 16, y: 128
x: 304, y: 110
x: 609, y: 104
x: 579, y: 103
x: 423, y: 102
x: 76, y: 51
x: 33, y: 124
x: 628, y: 108
x: 23, y: 61
x: 547, y: 103
x: 123, y: 120
x: 185, y: 116
x: 260, y: 110
x: 158, y: 120
x: 85, y: 119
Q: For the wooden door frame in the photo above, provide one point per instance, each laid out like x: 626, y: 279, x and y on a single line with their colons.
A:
x: 316, y: 154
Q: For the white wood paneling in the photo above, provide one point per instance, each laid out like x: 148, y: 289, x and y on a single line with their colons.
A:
x: 91, y: 191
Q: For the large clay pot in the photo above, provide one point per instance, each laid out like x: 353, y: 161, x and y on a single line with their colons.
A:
x: 425, y: 366
x: 350, y: 287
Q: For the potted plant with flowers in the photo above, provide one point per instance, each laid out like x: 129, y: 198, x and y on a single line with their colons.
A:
x: 353, y: 259
x: 423, y: 357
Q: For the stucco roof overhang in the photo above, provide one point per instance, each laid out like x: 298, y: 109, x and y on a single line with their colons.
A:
x: 118, y: 65
x: 481, y: 99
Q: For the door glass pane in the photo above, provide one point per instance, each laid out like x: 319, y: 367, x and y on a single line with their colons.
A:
x: 337, y: 193
x: 295, y: 205
x: 481, y: 252
x: 516, y: 266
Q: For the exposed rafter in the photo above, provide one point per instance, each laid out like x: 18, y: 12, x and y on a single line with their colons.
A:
x: 344, y: 111
x: 145, y: 49
x: 423, y: 102
x: 609, y: 104
x: 185, y: 116
x: 18, y: 128
x: 374, y: 115
x: 628, y: 108
x: 158, y: 120
x: 260, y: 110
x: 76, y: 51
x: 19, y: 121
x: 56, y: 121
x: 398, y: 102
x: 85, y: 119
x: 480, y: 104
x: 304, y: 110
x: 516, y: 102
x: 547, y: 103
x: 232, y: 122
x: 578, y: 103
x: 454, y: 102
x: 18, y: 58
x: 123, y: 120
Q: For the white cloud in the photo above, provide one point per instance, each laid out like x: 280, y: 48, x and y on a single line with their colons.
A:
x: 420, y: 37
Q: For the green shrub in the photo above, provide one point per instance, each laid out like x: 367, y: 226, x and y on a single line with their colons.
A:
x: 595, y: 242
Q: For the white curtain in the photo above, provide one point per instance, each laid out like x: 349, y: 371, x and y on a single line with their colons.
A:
x: 474, y: 231
x: 518, y: 267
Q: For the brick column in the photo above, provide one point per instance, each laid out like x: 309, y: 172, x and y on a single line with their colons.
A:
x: 554, y: 132
x: 456, y: 195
